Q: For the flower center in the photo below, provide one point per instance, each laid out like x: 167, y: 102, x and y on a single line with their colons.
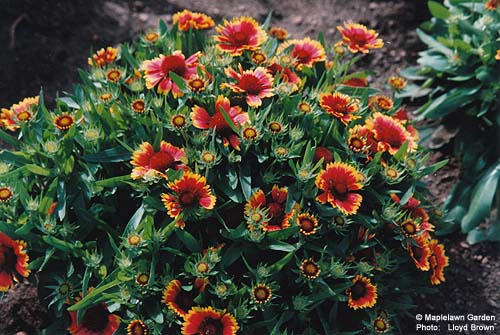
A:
x: 341, y: 189
x: 210, y: 326
x: 175, y: 64
x: 359, y: 39
x: 358, y: 291
x: 307, y: 225
x: 160, y: 161
x: 202, y: 267
x: 95, y: 318
x: 187, y: 198
x: 24, y: 116
x: 138, y: 106
x: 302, y: 56
x: 5, y: 194
x: 138, y: 329
x: 240, y: 37
x: 251, y: 84
x: 65, y: 121
x: 179, y: 121
x: 7, y: 259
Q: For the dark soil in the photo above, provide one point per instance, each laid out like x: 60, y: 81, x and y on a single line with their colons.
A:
x: 43, y: 43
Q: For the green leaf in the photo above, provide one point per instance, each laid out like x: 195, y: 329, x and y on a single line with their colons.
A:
x: 113, y: 181
x: 482, y: 198
x: 94, y: 295
x: 69, y: 102
x: 281, y: 246
x: 434, y: 167
x: 432, y: 43
x: 188, y: 240
x: 246, y: 180
x: 134, y: 221
x: 111, y: 155
x: 179, y: 81
x: 9, y: 139
x: 438, y: 10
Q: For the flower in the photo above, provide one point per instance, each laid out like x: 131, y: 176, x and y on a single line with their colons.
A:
x: 410, y: 228
x: 103, y: 57
x: 356, y: 82
x: 64, y: 121
x: 275, y: 204
x: 304, y: 107
x: 137, y: 327
x: 146, y: 159
x: 20, y: 112
x: 152, y: 36
x: 359, y: 39
x: 492, y: 5
x: 113, y: 75
x: 397, y: 83
x: 190, y: 193
x: 416, y: 212
x: 196, y: 84
x: 157, y: 71
x: 307, y: 223
x: 306, y: 52
x: 380, y: 103
x: 207, y: 320
x: 261, y: 293
x: 105, y: 97
x: 138, y: 106
x: 5, y: 194
x: 250, y: 133
x: 202, y: 120
x: 178, y: 121
x: 389, y: 134
x: 362, y: 293
x: 13, y: 261
x: 380, y: 325
x: 257, y: 84
x: 96, y: 321
x: 134, y: 240
x: 286, y: 75
x: 278, y: 33
x: 310, y: 269
x: 187, y: 19
x: 179, y: 300
x: 438, y: 261
x: 338, y: 181
x: 340, y: 106
x: 142, y: 279
x: 355, y: 142
x: 242, y: 33
x: 259, y: 57
x: 323, y: 152
x: 420, y: 252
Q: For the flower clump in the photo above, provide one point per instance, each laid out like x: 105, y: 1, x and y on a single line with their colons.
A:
x: 227, y: 184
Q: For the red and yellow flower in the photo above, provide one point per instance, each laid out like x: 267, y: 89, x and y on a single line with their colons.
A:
x: 356, y: 82
x: 389, y: 134
x: 492, y: 5
x: 362, y: 293
x: 157, y: 71
x: 339, y: 181
x: 202, y: 120
x: 438, y: 261
x: 286, y: 75
x: 13, y: 261
x: 137, y: 327
x: 310, y: 269
x: 380, y: 103
x: 322, y: 152
x: 207, y: 320
x: 261, y: 293
x: 239, y: 34
x: 190, y: 193
x: 257, y: 84
x: 278, y: 33
x: 416, y: 212
x: 340, y: 106
x: 358, y: 38
x: 308, y: 224
x: 20, y: 112
x: 305, y: 52
x: 274, y: 203
x: 64, y: 121
x: 179, y: 300
x: 420, y: 253
x: 152, y: 36
x: 497, y: 56
x: 187, y: 19
x: 380, y: 325
x: 147, y: 160
x: 95, y: 321
x: 5, y: 194
x: 103, y: 57
x: 397, y: 83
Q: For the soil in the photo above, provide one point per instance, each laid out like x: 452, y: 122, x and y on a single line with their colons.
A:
x: 43, y: 43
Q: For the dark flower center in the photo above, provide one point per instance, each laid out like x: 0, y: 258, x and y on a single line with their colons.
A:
x: 187, y: 198
x: 95, y: 318
x: 185, y: 300
x: 7, y: 259
x: 251, y: 84
x: 138, y: 329
x: 160, y: 161
x: 417, y: 252
x: 210, y: 326
x: 302, y: 55
x: 358, y: 291
x: 240, y: 38
x: 307, y: 225
x: 175, y: 64
x: 359, y: 39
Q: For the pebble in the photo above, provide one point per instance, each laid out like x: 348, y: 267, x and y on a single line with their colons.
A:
x: 297, y: 20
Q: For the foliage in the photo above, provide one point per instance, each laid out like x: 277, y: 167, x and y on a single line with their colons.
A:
x: 458, y: 74
x: 252, y: 177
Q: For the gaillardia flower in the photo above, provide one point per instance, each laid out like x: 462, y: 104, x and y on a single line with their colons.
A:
x: 278, y: 33
x: 340, y: 106
x: 380, y: 103
x: 147, y: 160
x: 20, y: 112
x: 420, y: 253
x: 286, y: 75
x: 389, y: 134
x: 137, y: 327
x: 438, y: 261
x: 96, y: 321
x: 202, y: 120
x: 380, y: 325
x: 338, y: 183
x: 397, y: 83
x: 308, y: 224
x: 261, y: 293
x: 362, y: 293
x: 190, y: 192
x: 207, y: 320
x: 492, y: 5
x: 187, y: 19
x: 103, y: 57
x: 275, y: 204
x: 310, y: 269
x: 256, y: 84
x: 157, y: 71
x: 64, y: 121
x: 179, y: 300
x: 242, y: 33
x: 305, y: 52
x: 13, y: 261
x: 359, y: 38
x: 5, y: 194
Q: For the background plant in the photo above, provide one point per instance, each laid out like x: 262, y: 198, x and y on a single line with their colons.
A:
x: 195, y: 184
x: 458, y: 74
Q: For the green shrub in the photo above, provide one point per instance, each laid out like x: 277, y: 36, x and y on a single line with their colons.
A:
x: 202, y: 185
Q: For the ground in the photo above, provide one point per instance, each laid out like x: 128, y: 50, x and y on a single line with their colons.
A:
x: 43, y: 43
